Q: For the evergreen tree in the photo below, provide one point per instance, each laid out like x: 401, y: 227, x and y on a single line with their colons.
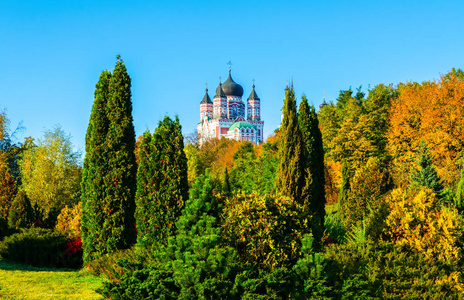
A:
x: 314, y: 192
x: 290, y: 177
x: 118, y: 227
x: 345, y: 186
x: 426, y: 175
x: 21, y: 214
x: 459, y: 199
x: 226, y: 183
x: 109, y: 173
x: 162, y: 185
x: 95, y: 167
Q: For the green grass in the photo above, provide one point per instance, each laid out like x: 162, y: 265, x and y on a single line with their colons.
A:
x: 25, y: 282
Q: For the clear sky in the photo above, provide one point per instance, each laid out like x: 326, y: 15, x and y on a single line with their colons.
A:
x: 52, y: 53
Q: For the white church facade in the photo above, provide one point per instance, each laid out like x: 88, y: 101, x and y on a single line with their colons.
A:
x: 225, y: 115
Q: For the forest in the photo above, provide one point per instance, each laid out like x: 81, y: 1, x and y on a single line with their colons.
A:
x: 362, y: 198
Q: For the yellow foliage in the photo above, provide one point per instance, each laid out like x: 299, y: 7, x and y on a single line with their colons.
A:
x: 69, y: 221
x: 417, y: 220
x: 433, y: 112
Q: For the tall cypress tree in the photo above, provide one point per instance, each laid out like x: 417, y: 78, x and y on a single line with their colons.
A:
x: 109, y: 173
x: 120, y: 179
x: 314, y: 192
x: 93, y: 172
x: 290, y: 178
x: 162, y: 185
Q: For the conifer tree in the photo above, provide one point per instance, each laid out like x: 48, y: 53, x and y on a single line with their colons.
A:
x: 426, y: 175
x: 120, y: 179
x: 93, y: 172
x: 314, y: 192
x: 290, y: 178
x: 459, y: 199
x: 345, y: 186
x: 226, y: 183
x: 162, y: 184
x: 109, y: 173
x: 21, y: 214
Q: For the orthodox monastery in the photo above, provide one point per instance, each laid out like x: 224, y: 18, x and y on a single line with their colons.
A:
x: 225, y: 115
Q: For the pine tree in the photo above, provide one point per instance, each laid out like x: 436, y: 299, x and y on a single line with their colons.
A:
x: 95, y: 167
x: 120, y: 178
x: 426, y: 175
x: 290, y: 178
x: 314, y: 192
x: 162, y: 185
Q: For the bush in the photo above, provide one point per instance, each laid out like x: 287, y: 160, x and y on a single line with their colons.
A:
x: 265, y: 231
x: 42, y: 248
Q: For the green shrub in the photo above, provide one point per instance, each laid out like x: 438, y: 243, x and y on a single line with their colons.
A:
x: 40, y: 247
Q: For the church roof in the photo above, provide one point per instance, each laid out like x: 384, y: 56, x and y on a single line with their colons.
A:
x: 206, y: 98
x: 253, y: 95
x: 240, y: 125
x: 220, y: 92
x: 231, y: 88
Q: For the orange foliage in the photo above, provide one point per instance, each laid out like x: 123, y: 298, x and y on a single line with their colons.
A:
x: 433, y: 112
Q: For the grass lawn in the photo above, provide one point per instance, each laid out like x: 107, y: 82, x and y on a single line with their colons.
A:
x: 25, y: 282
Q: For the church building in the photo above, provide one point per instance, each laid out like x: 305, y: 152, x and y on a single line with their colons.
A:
x: 225, y: 115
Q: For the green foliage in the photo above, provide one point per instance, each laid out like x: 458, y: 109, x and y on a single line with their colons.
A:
x: 120, y: 179
x: 291, y: 173
x: 314, y: 190
x: 426, y: 175
x: 191, y: 265
x: 51, y: 172
x: 37, y: 247
x: 21, y: 214
x: 382, y: 270
x: 264, y: 230
x: 162, y: 186
x: 335, y: 227
x: 459, y: 198
x: 367, y: 187
x: 226, y: 183
x: 109, y: 176
x: 95, y: 167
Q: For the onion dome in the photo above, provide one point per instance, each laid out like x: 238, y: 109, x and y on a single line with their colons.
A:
x: 220, y: 92
x: 253, y: 95
x: 206, y: 98
x: 231, y: 88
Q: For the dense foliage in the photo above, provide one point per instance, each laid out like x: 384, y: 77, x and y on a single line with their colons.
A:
x: 162, y: 186
x: 109, y: 174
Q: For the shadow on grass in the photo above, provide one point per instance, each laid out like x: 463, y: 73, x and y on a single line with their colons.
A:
x: 11, y: 266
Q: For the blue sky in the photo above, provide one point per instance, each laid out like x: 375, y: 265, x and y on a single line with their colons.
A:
x: 52, y: 53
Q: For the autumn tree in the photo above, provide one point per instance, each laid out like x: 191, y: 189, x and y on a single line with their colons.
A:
x: 162, y: 186
x: 51, y: 172
x: 430, y: 111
